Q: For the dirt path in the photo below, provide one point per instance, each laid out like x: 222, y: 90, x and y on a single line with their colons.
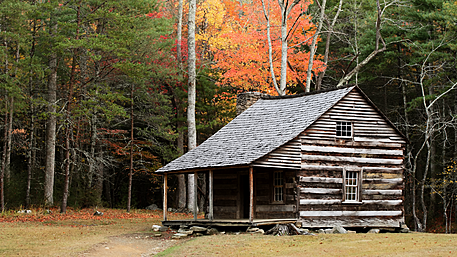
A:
x: 138, y: 244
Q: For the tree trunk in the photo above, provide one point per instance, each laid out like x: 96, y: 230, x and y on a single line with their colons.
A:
x: 129, y: 199
x: 179, y: 35
x: 2, y: 173
x: 98, y: 186
x: 51, y: 128
x: 9, y: 141
x: 377, y: 50
x: 30, y: 155
x: 314, y: 46
x: 284, y: 48
x: 69, y: 123
x: 180, y: 141
x: 320, y: 78
x: 270, y: 50
x: 192, y: 131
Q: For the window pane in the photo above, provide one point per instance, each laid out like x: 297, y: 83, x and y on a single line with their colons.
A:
x: 278, y: 183
x: 351, y: 187
x: 343, y: 129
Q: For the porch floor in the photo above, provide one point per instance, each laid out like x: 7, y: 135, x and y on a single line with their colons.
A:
x: 227, y: 222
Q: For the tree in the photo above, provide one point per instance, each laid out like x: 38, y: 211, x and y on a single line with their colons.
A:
x: 241, y: 51
x: 52, y: 119
x: 192, y: 130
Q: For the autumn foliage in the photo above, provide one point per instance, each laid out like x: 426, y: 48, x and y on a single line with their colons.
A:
x: 234, y: 36
x: 48, y: 216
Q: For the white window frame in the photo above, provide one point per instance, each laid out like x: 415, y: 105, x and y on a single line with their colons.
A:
x: 278, y: 186
x: 341, y: 128
x: 352, y: 186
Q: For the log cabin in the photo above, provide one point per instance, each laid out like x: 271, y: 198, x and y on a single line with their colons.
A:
x: 319, y: 159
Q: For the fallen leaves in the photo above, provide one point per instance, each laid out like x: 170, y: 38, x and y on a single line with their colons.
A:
x: 51, y: 218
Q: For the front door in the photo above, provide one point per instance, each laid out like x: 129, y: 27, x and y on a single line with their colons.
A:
x: 244, y: 196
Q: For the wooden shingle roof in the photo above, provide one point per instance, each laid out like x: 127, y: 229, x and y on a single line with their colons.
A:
x: 262, y: 128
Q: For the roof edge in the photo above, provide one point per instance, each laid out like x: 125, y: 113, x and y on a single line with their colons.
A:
x: 270, y: 97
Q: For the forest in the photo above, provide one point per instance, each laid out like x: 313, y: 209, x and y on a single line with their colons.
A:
x: 98, y: 94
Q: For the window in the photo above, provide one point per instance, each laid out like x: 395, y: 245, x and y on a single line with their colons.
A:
x: 352, y: 186
x: 278, y: 183
x: 343, y: 129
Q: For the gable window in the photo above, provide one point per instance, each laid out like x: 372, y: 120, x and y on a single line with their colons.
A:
x: 352, y: 186
x: 278, y: 184
x: 344, y: 129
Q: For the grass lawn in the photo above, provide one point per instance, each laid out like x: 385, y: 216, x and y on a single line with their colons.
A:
x: 410, y: 244
x: 41, y: 234
x: 56, y: 234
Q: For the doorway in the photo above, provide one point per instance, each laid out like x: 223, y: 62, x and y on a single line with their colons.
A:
x: 244, y: 197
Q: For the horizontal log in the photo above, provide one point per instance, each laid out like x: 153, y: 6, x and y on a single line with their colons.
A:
x: 369, y: 175
x: 352, y: 143
x: 339, y: 201
x: 321, y: 180
x: 275, y: 208
x: 368, y: 186
x: 225, y: 175
x: 263, y: 198
x: 319, y: 201
x: 352, y: 159
x: 282, y: 158
x: 225, y: 197
x: 383, y: 140
x: 383, y: 202
x: 351, y: 118
x: 383, y: 180
x: 221, y: 186
x: 316, y: 222
x: 310, y: 190
x: 353, y: 111
x: 383, y: 169
x: 284, y: 153
x: 369, y: 172
x: 321, y: 167
x: 350, y: 150
x: 349, y: 213
x: 276, y: 165
x: 382, y: 192
x: 225, y: 209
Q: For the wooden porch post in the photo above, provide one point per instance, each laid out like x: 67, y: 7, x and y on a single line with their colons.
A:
x: 251, y: 194
x: 195, y: 195
x: 210, y: 216
x: 165, y: 189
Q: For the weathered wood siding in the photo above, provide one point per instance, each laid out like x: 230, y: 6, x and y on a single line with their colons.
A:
x: 225, y: 194
x: 265, y: 208
x: 375, y: 148
x: 287, y: 156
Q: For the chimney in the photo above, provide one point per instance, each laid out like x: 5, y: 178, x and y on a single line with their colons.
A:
x: 245, y: 100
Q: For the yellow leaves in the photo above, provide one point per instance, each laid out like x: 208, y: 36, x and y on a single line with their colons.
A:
x: 210, y: 20
x: 237, y: 37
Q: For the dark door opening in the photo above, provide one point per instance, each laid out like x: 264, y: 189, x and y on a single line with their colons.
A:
x: 244, y: 191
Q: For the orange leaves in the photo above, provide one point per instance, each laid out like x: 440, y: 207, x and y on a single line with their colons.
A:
x: 239, y: 46
x: 40, y: 215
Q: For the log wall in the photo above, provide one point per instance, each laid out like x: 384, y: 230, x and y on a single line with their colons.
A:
x: 287, y: 156
x: 375, y: 149
x: 226, y: 194
x: 265, y: 208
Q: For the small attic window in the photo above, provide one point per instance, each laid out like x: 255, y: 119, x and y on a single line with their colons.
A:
x: 344, y: 129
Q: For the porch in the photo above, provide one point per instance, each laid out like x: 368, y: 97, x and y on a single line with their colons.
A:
x: 227, y: 222
x: 242, y: 197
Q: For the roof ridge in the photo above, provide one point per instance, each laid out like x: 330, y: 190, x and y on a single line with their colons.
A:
x: 273, y: 97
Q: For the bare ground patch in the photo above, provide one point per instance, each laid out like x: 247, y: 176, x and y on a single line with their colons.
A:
x: 136, y: 244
